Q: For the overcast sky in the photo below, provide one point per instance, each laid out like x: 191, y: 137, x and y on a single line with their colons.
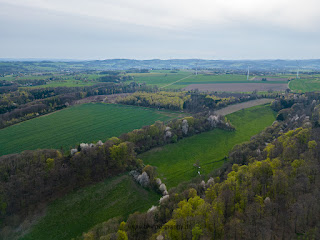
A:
x: 147, y: 29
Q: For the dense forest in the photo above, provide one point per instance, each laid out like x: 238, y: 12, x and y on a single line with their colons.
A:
x: 269, y: 189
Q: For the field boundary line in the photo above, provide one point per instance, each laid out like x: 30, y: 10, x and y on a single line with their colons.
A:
x: 175, y: 81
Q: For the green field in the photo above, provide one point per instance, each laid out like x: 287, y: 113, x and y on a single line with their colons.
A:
x: 77, y: 212
x: 185, y: 78
x: 174, y: 162
x: 305, y: 85
x: 158, y: 78
x: 182, y: 79
x: 81, y: 123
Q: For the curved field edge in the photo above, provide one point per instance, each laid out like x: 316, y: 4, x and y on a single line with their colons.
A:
x: 239, y: 106
x: 304, y: 85
x: 79, y: 211
x: 175, y: 162
x: 80, y: 123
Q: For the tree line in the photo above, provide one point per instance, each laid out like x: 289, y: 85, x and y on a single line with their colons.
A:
x: 192, y: 101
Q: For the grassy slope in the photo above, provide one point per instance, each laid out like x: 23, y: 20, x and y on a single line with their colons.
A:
x: 305, y: 85
x: 82, y: 123
x: 79, y: 211
x: 175, y: 161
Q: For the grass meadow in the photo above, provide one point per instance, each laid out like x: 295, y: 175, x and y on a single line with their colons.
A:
x: 79, y: 211
x: 80, y: 123
x: 305, y: 85
x: 174, y: 162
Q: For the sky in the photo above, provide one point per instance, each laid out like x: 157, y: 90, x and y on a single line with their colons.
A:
x: 164, y: 29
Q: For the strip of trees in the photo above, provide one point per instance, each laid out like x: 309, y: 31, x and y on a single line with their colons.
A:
x: 192, y: 101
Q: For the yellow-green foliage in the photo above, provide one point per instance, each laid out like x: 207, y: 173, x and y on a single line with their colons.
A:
x: 115, y: 140
x: 186, y: 214
x: 119, y: 154
x: 50, y: 163
x: 190, y: 121
x: 290, y: 141
x: 169, y: 100
x: 122, y: 226
x: 312, y: 144
x: 122, y: 235
x: 219, y: 99
x: 254, y: 184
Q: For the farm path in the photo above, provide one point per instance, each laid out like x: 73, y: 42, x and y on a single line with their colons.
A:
x: 175, y: 81
x: 239, y: 106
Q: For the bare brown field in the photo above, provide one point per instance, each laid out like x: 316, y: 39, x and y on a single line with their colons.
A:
x: 239, y: 106
x: 237, y: 87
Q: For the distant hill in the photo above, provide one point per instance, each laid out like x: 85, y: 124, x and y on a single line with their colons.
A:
x: 124, y: 64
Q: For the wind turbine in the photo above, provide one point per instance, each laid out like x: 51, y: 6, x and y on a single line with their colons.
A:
x: 298, y: 70
x: 197, y: 67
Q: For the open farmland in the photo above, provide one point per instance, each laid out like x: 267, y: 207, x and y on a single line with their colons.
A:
x: 305, y: 85
x: 160, y: 79
x: 81, y: 123
x: 237, y: 87
x: 187, y: 80
x: 77, y: 212
x: 184, y: 78
x: 55, y: 79
x: 174, y: 162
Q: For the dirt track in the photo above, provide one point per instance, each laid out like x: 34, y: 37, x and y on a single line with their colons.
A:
x: 239, y: 106
x: 237, y: 87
